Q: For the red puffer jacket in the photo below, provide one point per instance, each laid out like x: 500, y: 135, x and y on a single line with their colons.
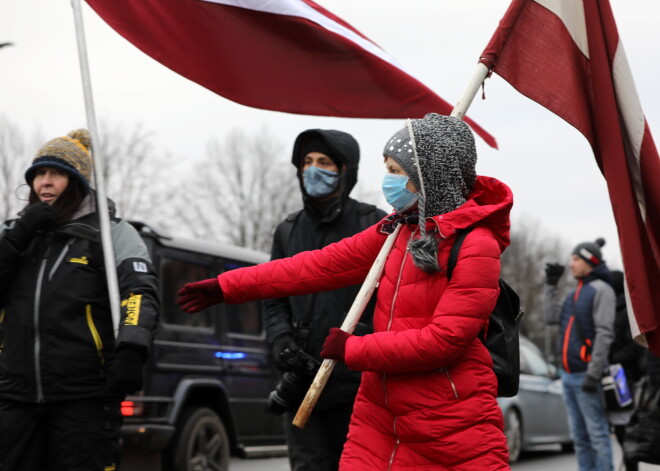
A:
x: 427, y: 397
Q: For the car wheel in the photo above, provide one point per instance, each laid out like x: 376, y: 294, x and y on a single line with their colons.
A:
x: 513, y: 432
x: 567, y: 447
x: 200, y: 443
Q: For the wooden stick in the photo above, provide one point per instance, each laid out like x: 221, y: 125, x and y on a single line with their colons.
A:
x: 350, y: 321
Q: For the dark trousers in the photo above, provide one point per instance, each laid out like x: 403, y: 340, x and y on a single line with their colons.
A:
x: 620, y: 433
x: 318, y: 446
x: 77, y: 435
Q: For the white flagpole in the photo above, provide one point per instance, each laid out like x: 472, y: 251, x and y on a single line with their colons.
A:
x: 97, y: 165
x: 471, y: 90
x: 363, y: 296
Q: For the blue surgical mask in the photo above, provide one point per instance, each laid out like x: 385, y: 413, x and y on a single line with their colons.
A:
x: 319, y: 182
x: 396, y: 193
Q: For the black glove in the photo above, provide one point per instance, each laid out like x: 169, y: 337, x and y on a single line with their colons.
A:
x: 37, y: 217
x: 126, y: 375
x: 281, y: 343
x: 553, y: 271
x: 590, y: 384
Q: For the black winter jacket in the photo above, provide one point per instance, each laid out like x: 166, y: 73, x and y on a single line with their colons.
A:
x: 312, y: 229
x: 57, y: 333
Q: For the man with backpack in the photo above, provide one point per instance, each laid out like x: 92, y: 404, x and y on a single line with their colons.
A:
x: 327, y: 167
x: 586, y: 320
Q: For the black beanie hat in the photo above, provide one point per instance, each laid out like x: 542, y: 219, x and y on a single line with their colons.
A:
x: 590, y: 252
x: 317, y: 144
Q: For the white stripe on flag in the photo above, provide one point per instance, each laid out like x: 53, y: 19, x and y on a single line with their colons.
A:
x: 571, y: 13
x: 300, y: 9
x: 633, y: 118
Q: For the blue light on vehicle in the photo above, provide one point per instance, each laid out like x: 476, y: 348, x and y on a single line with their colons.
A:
x: 230, y: 355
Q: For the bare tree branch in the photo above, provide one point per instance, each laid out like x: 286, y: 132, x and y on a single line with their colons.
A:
x: 13, y: 162
x: 240, y: 191
x: 523, y: 267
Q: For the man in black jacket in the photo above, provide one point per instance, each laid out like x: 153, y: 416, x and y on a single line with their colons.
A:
x: 327, y: 163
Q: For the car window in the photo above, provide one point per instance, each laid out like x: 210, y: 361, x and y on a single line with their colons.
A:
x: 242, y: 319
x: 532, y: 363
x: 174, y: 273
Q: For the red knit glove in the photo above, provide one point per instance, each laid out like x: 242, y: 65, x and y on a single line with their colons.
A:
x: 195, y: 297
x: 334, y: 346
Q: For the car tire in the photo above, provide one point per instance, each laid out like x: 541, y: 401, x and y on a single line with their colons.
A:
x: 513, y: 432
x: 200, y: 443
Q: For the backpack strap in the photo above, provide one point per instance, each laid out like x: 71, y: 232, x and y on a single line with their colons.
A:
x: 287, y: 228
x: 461, y: 234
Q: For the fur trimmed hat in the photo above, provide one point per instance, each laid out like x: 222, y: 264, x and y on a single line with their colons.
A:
x: 590, y: 252
x: 69, y: 153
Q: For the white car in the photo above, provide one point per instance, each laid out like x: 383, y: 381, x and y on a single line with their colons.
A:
x: 537, y: 414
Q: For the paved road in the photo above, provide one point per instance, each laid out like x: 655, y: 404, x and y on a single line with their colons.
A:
x: 549, y: 459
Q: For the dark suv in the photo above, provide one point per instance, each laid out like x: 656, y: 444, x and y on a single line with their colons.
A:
x: 209, y: 374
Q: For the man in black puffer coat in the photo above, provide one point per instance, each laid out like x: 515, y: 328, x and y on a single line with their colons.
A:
x: 327, y: 163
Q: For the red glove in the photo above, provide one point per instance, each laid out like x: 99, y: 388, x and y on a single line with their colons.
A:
x: 195, y: 297
x: 335, y: 344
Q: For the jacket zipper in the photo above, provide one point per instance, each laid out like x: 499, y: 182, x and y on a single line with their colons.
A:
x: 95, y: 333
x: 451, y: 381
x: 396, y: 447
x: 396, y: 291
x: 60, y: 258
x: 37, y: 337
x: 389, y: 325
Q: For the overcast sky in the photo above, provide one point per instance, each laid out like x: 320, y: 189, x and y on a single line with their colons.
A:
x: 548, y: 164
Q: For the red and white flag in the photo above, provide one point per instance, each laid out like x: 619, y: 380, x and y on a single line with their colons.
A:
x: 282, y: 55
x: 567, y: 56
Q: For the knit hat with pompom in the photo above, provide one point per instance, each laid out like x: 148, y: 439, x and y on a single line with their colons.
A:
x: 590, y: 252
x: 69, y: 153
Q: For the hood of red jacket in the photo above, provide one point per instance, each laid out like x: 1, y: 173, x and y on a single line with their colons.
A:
x: 489, y: 204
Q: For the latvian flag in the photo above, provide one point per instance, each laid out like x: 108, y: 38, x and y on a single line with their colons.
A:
x: 567, y: 56
x: 282, y: 55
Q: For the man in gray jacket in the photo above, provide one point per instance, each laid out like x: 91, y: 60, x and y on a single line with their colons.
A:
x: 586, y: 320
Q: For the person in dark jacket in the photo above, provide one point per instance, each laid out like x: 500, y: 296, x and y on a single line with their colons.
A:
x: 63, y: 373
x: 327, y: 167
x: 586, y: 320
x: 625, y: 351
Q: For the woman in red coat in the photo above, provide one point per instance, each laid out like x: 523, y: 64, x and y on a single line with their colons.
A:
x: 428, y: 394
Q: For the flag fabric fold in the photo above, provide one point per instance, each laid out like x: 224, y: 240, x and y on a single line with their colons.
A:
x: 567, y: 56
x: 282, y: 55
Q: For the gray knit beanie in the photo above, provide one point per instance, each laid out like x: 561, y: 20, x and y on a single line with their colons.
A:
x: 445, y: 157
x: 399, y: 148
